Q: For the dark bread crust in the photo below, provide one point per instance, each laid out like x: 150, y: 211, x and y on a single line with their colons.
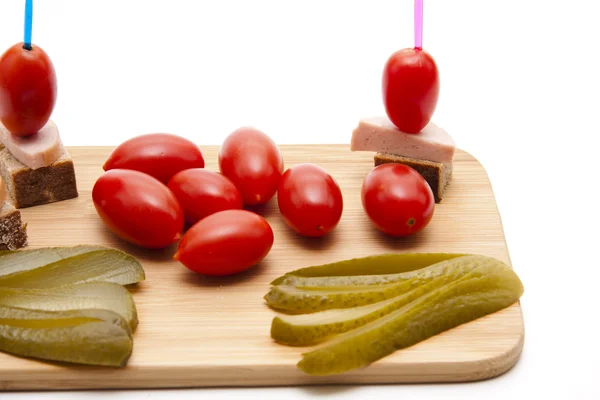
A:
x: 27, y: 187
x: 438, y: 175
x: 13, y: 232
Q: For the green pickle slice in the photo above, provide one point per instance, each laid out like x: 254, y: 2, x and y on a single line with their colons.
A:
x: 328, y: 282
x: 68, y: 304
x: 79, y: 265
x: 393, y: 263
x: 489, y: 289
x: 310, y: 329
x: 293, y: 300
x: 333, y: 282
x: 93, y: 295
x: 93, y: 337
x: 12, y: 261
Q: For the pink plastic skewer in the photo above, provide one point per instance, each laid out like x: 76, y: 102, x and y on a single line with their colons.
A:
x: 418, y: 24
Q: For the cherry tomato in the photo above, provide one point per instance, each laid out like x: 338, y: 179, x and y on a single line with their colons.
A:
x: 138, y: 208
x: 397, y: 199
x: 202, y: 192
x: 225, y: 243
x: 253, y: 162
x: 27, y: 89
x: 160, y: 155
x: 310, y: 200
x: 411, y: 87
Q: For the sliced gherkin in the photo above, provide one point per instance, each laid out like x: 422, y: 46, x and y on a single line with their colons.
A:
x: 325, y: 282
x: 92, y: 295
x: 293, y: 300
x: 93, y: 337
x: 332, y: 282
x: 12, y: 261
x: 393, y: 263
x: 101, y: 265
x: 493, y: 289
x: 310, y: 329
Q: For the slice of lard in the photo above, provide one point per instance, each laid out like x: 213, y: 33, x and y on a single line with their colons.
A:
x: 35, y: 151
x: 380, y: 135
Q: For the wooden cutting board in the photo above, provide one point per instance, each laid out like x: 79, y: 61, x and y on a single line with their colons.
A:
x: 197, y: 332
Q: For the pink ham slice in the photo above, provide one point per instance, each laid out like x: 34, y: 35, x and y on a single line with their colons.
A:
x: 35, y: 151
x: 378, y: 134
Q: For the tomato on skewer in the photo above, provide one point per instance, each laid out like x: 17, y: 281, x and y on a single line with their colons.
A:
x: 411, y: 83
x: 28, y: 89
x: 411, y: 87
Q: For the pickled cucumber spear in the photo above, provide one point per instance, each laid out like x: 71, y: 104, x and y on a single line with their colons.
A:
x: 335, y: 282
x: 93, y: 295
x: 40, y: 268
x: 94, y: 337
x: 309, y: 329
x: 294, y: 300
x: 12, y: 261
x: 439, y: 310
x: 68, y: 304
x: 373, y: 265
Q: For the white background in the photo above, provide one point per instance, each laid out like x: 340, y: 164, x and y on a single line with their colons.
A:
x: 519, y: 91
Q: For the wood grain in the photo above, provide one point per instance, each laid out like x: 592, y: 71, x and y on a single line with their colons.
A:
x: 199, y: 332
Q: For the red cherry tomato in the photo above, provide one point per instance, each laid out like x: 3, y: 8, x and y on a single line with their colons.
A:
x: 397, y: 199
x: 310, y: 200
x: 225, y: 243
x: 411, y: 87
x: 27, y: 89
x: 202, y: 192
x: 160, y: 155
x: 253, y: 162
x: 138, y: 208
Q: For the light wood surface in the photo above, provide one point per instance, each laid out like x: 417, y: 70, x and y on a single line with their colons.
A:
x: 198, y: 332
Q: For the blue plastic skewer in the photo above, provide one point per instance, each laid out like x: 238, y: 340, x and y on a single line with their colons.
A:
x: 28, y: 24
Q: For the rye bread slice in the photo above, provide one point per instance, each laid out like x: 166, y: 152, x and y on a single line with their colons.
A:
x: 438, y: 175
x: 27, y: 187
x: 13, y: 232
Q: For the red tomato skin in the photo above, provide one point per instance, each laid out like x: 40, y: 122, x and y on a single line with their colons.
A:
x: 138, y: 208
x: 202, y: 192
x: 253, y: 162
x: 310, y: 200
x: 28, y: 89
x: 411, y: 87
x: 160, y: 155
x: 225, y: 243
x: 397, y: 199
